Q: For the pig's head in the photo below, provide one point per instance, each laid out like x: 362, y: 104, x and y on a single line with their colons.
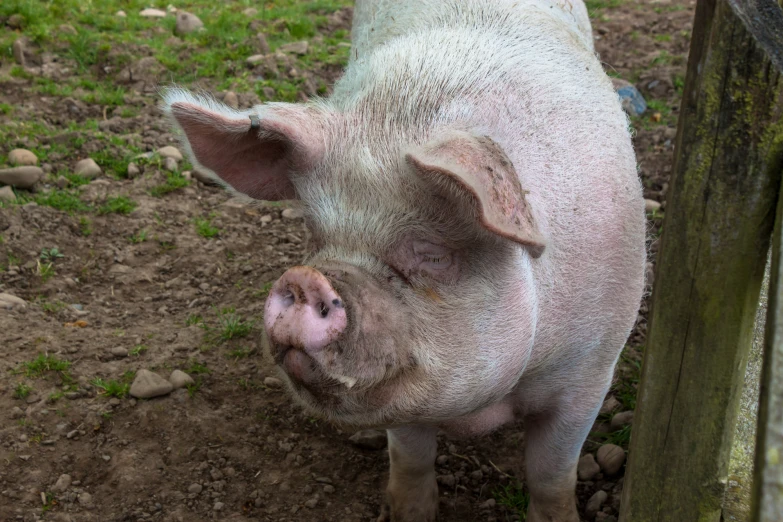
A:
x: 412, y: 303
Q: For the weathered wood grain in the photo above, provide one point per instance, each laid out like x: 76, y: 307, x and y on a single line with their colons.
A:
x: 719, y: 218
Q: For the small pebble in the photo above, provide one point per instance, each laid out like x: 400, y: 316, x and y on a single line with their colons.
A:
x: 273, y: 382
x: 611, y: 458
x: 624, y: 418
x: 292, y: 213
x: 152, y: 13
x: 22, y: 157
x: 7, y: 194
x: 21, y: 177
x: 587, y: 468
x: 147, y: 385
x: 187, y: 23
x: 170, y: 151
x: 231, y: 100
x: 651, y: 205
x: 133, y: 170
x: 595, y: 503
x: 170, y: 164
x: 87, y: 168
x: 180, y: 379
x: 62, y: 484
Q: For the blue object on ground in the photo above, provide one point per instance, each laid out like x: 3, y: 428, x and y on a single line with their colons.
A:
x: 632, y: 100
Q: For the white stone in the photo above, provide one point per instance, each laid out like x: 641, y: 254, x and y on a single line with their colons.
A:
x: 62, y: 484
x: 22, y: 157
x: 295, y: 47
x: 9, y: 302
x: 147, y: 385
x: 21, y: 177
x: 231, y: 100
x: 170, y: 151
x: 152, y: 13
x: 651, y: 205
x: 7, y: 195
x: 87, y: 168
x: 187, y: 23
x: 180, y: 379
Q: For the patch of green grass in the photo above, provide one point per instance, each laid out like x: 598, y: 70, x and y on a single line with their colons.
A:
x: 22, y: 391
x: 45, y: 363
x: 46, y: 271
x: 117, y: 205
x: 264, y: 290
x: 194, y: 319
x: 626, y: 386
x: 204, y: 228
x: 249, y: 384
x: 174, y: 181
x: 513, y: 497
x: 12, y: 259
x: 193, y: 387
x: 138, y: 350
x: 105, y: 95
x: 5, y: 108
x: 594, y: 7
x: 663, y: 37
x: 238, y: 353
x: 232, y: 326
x: 75, y: 180
x: 111, y: 388
x: 51, y: 306
x: 139, y: 237
x: 196, y: 368
x: 65, y: 200
x: 679, y: 83
x: 663, y: 58
x: 85, y: 226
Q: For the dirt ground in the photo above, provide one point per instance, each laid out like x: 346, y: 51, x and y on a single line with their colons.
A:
x: 177, y: 280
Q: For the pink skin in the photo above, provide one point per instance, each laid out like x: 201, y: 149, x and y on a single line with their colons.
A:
x: 305, y: 313
x: 476, y: 209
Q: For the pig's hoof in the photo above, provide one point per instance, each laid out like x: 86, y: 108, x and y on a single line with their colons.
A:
x: 421, y: 505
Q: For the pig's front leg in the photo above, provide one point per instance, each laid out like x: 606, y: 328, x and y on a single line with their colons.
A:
x: 412, y: 493
x: 553, y: 441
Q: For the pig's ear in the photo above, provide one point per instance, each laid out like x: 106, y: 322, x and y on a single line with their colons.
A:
x: 253, y: 152
x: 475, y: 174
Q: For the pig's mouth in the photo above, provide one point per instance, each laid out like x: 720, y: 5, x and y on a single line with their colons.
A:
x: 305, y: 372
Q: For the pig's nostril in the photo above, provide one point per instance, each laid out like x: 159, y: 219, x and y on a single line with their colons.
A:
x: 323, y: 309
x: 288, y: 298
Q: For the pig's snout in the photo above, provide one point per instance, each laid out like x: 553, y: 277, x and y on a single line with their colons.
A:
x: 303, y: 312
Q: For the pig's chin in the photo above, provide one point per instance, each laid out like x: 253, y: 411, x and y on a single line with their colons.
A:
x: 339, y: 398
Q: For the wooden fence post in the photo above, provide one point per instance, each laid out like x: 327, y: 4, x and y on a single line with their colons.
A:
x: 768, y: 473
x: 719, y: 218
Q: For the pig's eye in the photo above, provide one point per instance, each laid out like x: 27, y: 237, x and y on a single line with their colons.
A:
x: 440, y: 262
x: 432, y: 256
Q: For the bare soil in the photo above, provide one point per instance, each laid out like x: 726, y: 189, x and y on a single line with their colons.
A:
x: 230, y: 447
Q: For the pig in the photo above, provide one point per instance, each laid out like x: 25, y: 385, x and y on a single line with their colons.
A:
x: 477, y: 230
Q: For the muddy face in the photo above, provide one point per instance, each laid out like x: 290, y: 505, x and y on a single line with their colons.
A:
x: 341, y: 335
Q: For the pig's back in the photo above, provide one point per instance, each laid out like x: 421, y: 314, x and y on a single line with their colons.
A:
x: 527, y: 77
